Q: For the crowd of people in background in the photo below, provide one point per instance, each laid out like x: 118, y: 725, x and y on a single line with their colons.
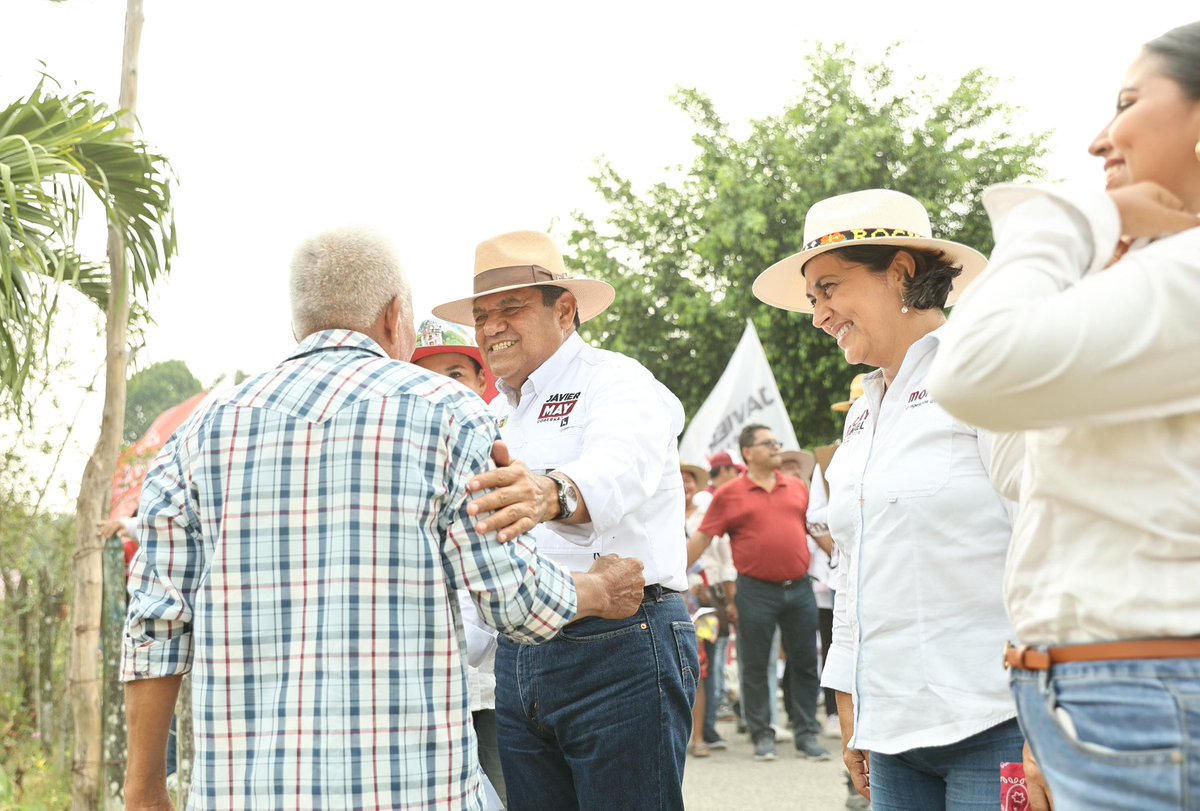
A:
x: 391, y: 595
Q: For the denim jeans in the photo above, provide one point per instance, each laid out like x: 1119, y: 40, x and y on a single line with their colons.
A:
x: 761, y: 607
x: 961, y: 776
x: 599, y: 717
x: 1118, y: 734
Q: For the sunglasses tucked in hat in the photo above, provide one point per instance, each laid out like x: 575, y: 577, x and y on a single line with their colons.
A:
x: 872, y: 217
x: 856, y: 391
x: 525, y: 259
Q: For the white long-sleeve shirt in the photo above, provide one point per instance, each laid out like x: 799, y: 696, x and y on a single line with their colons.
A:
x: 1101, y: 368
x: 919, y: 623
x: 604, y: 421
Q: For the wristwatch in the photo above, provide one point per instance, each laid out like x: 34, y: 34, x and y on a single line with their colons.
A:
x: 568, y: 497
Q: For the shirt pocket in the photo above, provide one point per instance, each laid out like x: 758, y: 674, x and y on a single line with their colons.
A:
x: 554, y: 447
x: 925, y: 457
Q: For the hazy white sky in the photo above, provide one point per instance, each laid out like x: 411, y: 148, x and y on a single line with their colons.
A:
x: 441, y: 124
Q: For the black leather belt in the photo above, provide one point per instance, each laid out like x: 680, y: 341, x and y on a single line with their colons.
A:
x: 783, y: 584
x: 655, y: 593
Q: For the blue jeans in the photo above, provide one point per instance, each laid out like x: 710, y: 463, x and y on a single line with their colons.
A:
x: 1119, y: 734
x: 761, y: 607
x: 599, y: 717
x: 959, y: 776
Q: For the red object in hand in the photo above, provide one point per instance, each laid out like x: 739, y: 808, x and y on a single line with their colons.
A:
x: 1013, y: 794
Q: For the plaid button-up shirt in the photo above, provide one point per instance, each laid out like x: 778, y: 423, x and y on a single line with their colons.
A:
x: 302, y: 538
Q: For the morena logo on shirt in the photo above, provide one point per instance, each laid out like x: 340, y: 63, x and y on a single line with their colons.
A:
x: 918, y: 398
x: 856, y: 426
x: 558, y: 406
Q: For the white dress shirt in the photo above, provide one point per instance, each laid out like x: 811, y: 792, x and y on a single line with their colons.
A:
x: 919, y: 623
x: 602, y: 419
x: 1101, y: 368
x: 821, y: 567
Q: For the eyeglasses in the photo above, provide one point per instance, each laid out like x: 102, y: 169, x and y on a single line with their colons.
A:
x: 774, y: 444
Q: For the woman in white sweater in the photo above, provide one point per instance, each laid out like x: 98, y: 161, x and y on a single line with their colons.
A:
x: 1094, y: 352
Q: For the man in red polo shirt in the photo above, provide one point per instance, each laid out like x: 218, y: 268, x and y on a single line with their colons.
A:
x: 763, y: 513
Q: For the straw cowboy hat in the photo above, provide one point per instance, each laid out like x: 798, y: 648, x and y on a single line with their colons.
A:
x: 856, y: 391
x: 872, y: 217
x: 698, y: 473
x: 525, y: 259
x: 803, y: 458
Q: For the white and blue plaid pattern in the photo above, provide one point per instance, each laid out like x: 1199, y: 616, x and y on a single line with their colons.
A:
x: 302, y: 539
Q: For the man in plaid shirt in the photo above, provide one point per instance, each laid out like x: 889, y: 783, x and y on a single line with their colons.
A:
x: 302, y: 539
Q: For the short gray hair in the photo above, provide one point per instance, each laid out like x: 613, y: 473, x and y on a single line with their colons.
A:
x: 343, y: 279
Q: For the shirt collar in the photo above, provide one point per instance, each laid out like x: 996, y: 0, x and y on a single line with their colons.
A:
x: 928, y: 342
x: 334, y: 339
x: 780, y: 481
x: 548, y: 372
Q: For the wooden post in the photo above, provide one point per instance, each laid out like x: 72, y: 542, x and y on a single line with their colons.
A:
x: 185, y: 750
x: 113, y: 624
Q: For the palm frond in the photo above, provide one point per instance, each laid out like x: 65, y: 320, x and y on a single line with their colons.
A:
x: 55, y: 152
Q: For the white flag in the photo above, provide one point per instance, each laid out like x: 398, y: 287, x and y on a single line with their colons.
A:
x: 745, y: 394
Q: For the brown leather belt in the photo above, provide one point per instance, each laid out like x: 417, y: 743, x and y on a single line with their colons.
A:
x: 1026, y: 658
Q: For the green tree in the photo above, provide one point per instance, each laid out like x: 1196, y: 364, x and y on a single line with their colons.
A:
x: 152, y: 391
x: 684, y: 253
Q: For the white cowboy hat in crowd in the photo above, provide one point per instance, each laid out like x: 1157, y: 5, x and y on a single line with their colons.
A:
x: 871, y: 217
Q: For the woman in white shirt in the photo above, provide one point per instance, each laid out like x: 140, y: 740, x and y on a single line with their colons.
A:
x: 925, y: 713
x: 1097, y: 361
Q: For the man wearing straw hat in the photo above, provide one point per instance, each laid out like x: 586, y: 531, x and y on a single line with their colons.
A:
x: 600, y: 716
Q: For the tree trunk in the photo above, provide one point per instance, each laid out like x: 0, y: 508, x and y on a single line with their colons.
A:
x: 27, y: 653
x: 96, y: 488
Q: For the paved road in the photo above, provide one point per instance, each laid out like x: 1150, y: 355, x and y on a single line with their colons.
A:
x: 732, y: 781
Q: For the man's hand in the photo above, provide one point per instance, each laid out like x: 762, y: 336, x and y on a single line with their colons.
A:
x: 611, y: 589
x: 110, y: 527
x: 731, y: 613
x: 1149, y: 210
x: 624, y: 582
x: 1040, y: 798
x: 517, y: 501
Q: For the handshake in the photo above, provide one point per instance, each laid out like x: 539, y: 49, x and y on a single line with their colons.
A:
x: 612, y: 589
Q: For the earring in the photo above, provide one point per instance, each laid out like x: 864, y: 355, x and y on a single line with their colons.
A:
x: 1198, y: 150
x: 904, y: 309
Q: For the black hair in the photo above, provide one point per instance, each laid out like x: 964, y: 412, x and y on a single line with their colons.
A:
x: 552, y: 293
x: 1178, y: 51
x: 746, y: 437
x: 933, y: 274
